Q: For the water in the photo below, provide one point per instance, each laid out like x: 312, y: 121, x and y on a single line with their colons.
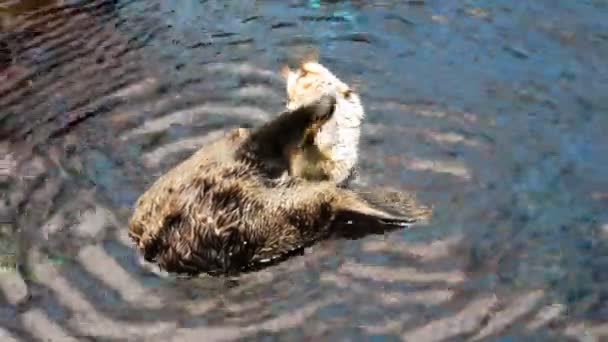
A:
x: 492, y: 111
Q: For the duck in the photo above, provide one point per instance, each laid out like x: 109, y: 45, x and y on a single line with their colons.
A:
x: 329, y: 151
x: 227, y: 208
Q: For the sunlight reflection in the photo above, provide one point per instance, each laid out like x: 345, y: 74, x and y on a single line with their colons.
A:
x: 131, y: 91
x: 88, y: 318
x: 6, y: 336
x: 192, y: 115
x: 521, y: 306
x: 399, y: 274
x: 12, y: 286
x: 545, y: 316
x: 468, y: 319
x: 243, y: 69
x: 393, y: 298
x: 95, y: 260
x: 586, y: 331
x: 452, y: 167
x: 449, y: 138
x: 40, y: 325
x: 428, y: 251
x: 256, y: 92
x: 154, y: 158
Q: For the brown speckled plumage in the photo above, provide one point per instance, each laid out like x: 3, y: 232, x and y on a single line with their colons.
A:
x: 222, y: 211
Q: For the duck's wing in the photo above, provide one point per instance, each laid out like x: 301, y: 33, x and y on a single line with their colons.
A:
x: 266, y: 145
x: 365, y: 211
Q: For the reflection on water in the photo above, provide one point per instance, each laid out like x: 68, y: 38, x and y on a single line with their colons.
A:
x: 492, y: 112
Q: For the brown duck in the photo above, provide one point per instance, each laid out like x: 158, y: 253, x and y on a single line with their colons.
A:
x: 226, y: 209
